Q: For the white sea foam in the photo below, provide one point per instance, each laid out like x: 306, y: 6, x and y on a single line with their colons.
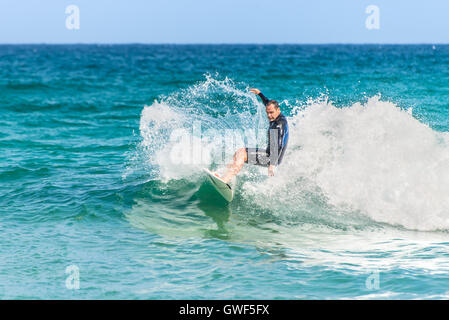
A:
x: 184, y: 132
x: 374, y: 159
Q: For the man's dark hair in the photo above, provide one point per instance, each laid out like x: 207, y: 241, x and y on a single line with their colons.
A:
x: 273, y: 103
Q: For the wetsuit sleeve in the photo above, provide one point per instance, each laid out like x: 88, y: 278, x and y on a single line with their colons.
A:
x: 281, y: 137
x: 264, y: 99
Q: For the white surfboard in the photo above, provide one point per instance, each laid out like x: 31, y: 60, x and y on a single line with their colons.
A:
x: 222, y: 188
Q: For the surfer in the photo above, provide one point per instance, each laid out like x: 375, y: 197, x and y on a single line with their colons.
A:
x: 277, y: 143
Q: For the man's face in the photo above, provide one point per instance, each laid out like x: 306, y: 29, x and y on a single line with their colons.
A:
x: 272, y: 112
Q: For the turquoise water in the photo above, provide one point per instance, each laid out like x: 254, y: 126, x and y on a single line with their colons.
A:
x: 358, y: 209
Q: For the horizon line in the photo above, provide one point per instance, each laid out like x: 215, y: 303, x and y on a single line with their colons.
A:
x: 223, y: 43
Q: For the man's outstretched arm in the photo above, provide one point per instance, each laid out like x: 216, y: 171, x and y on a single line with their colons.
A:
x: 260, y: 94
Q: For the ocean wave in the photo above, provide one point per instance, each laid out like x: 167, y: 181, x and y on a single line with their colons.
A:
x: 343, y: 165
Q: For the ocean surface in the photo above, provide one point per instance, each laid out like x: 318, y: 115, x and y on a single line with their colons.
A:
x: 102, y: 194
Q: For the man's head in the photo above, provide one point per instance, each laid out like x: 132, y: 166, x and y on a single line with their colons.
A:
x: 273, y: 110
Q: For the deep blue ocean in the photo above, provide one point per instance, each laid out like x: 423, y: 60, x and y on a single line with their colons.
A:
x: 102, y: 193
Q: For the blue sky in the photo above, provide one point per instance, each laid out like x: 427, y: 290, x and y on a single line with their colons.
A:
x: 224, y: 21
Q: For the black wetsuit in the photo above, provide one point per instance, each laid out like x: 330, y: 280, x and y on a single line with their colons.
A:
x: 277, y: 142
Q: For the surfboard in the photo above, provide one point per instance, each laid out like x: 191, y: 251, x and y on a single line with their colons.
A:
x: 220, y: 186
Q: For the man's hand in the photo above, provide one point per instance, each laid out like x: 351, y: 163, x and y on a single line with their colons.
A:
x: 271, y: 170
x: 255, y: 91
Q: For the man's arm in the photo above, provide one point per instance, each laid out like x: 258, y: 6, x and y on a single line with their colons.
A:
x: 271, y: 170
x: 278, y: 141
x: 260, y: 94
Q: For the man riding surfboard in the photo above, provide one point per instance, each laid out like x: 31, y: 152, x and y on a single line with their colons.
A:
x: 277, y: 143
